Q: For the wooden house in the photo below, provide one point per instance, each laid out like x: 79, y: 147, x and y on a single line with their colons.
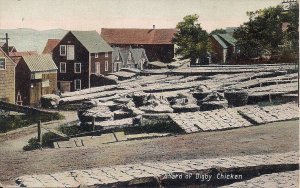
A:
x: 78, y: 55
x: 50, y: 45
x: 7, y: 78
x: 117, y: 59
x: 131, y: 58
x: 157, y: 43
x: 36, y: 75
x: 223, y: 48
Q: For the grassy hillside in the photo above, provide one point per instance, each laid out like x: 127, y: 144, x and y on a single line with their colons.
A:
x: 29, y: 39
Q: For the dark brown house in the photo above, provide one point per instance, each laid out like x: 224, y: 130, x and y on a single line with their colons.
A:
x: 156, y: 42
x: 78, y: 55
x: 36, y: 75
x: 7, y: 78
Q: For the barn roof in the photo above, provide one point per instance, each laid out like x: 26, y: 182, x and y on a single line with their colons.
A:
x: 92, y: 41
x: 228, y: 38
x: 138, y: 36
x: 50, y: 45
x: 219, y: 40
x: 40, y: 63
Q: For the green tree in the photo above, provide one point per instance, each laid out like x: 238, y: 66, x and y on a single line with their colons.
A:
x: 263, y: 32
x: 218, y: 31
x: 191, y: 39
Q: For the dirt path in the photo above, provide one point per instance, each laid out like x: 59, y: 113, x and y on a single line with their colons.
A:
x: 270, y: 138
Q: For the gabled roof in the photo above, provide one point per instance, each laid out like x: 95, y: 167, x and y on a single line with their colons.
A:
x: 138, y: 36
x: 219, y: 40
x: 39, y: 63
x: 19, y: 54
x: 50, y: 45
x: 228, y: 38
x: 3, y: 54
x: 2, y: 44
x: 115, y: 53
x: 10, y: 48
x: 137, y: 54
x: 124, y: 54
x: 92, y: 41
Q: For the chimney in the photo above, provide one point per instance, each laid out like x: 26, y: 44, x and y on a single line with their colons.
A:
x: 6, y: 44
x: 153, y: 26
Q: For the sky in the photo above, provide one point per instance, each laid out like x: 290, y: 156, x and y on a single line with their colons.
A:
x: 97, y: 14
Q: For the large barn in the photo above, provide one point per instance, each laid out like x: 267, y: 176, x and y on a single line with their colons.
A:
x: 156, y: 42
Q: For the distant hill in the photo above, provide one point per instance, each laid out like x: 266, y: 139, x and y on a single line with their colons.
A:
x: 29, y: 39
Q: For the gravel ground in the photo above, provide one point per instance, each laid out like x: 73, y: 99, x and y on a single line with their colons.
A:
x: 275, y: 137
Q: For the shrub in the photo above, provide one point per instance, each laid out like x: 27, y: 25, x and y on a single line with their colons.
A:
x: 47, y: 139
x: 75, y: 129
x: 33, y: 144
x: 12, y: 122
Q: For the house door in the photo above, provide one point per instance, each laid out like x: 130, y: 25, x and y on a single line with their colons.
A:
x: 35, y: 93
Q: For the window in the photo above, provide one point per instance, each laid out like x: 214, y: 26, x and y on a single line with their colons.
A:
x: 97, y: 67
x: 96, y: 55
x: 106, y: 54
x: 70, y: 52
x: 2, y: 63
x: 62, y: 67
x: 77, y: 84
x: 62, y: 50
x: 46, y: 83
x: 77, y: 67
x: 106, y: 65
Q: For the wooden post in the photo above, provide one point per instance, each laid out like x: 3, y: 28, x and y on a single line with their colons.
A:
x: 39, y: 131
x: 93, y: 123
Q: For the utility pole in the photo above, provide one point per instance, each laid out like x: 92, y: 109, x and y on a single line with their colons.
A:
x: 6, y: 49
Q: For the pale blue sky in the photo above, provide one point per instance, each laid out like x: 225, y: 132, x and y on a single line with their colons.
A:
x: 95, y: 14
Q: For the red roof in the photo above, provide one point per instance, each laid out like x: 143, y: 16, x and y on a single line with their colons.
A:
x: 20, y: 54
x: 138, y: 36
x: 51, y: 43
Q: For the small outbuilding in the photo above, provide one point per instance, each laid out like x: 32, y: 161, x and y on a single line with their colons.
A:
x: 36, y: 75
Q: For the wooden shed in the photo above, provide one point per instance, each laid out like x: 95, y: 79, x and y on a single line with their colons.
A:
x: 36, y: 75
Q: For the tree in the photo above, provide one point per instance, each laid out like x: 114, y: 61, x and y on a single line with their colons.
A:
x: 191, y: 39
x: 263, y: 32
x: 218, y: 31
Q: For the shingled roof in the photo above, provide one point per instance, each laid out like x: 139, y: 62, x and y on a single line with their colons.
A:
x: 228, y: 38
x: 40, y: 63
x: 219, y: 40
x: 138, y: 36
x: 50, y: 45
x: 92, y: 41
x: 20, y: 54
